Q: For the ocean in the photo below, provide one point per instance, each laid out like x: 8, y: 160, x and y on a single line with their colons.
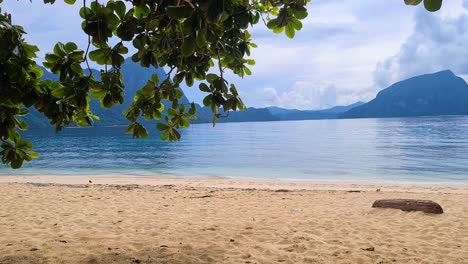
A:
x: 422, y: 150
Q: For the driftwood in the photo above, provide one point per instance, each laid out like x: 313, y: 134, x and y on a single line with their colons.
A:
x: 410, y: 205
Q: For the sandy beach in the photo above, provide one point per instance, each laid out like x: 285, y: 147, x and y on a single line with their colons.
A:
x: 181, y: 220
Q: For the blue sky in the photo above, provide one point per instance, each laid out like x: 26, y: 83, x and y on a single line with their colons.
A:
x: 346, y: 52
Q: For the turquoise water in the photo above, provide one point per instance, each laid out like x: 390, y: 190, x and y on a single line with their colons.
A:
x: 399, y: 150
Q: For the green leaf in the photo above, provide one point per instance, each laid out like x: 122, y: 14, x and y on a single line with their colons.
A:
x: 251, y: 62
x: 155, y: 78
x: 70, y: 46
x: 278, y: 30
x: 120, y: 9
x: 22, y: 125
x: 24, y: 144
x: 184, y: 122
x: 165, y: 135
x: 188, y: 47
x: 300, y: 14
x: 17, y: 163
x: 289, y: 30
x: 208, y: 100
x: 13, y: 135
x: 211, y: 77
x: 161, y: 126
x: 177, y: 12
x: 171, y: 112
x: 296, y: 23
x: 23, y: 111
x: 432, y: 5
x: 70, y: 2
x: 33, y: 154
x: 272, y: 24
x: 204, y: 88
x: 142, y: 132
x: 58, y: 93
x: 98, y: 93
x: 413, y: 2
x: 201, y: 37
x: 129, y: 129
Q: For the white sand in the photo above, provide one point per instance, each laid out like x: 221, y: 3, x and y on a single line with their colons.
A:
x: 167, y: 220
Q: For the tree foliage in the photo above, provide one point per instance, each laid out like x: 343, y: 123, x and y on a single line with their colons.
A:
x: 430, y: 5
x: 197, y: 40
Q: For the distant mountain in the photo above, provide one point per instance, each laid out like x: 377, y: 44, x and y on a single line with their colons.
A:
x: 342, y: 109
x: 204, y: 115
x: 294, y: 114
x: 440, y: 93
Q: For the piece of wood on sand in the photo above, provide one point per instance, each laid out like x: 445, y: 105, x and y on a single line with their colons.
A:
x: 410, y: 205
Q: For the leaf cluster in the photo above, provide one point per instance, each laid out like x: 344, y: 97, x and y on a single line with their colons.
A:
x: 430, y: 5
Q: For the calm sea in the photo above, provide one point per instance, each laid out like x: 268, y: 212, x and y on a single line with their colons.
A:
x: 399, y: 150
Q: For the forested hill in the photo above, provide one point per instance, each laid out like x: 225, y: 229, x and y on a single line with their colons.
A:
x: 440, y: 93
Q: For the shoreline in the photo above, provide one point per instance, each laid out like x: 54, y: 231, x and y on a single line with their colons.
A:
x: 440, y: 183
x: 234, y: 183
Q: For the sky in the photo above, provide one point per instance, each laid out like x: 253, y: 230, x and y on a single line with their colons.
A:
x: 346, y: 52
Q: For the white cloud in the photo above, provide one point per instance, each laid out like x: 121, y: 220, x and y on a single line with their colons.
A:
x: 307, y: 95
x: 437, y: 43
x: 47, y: 24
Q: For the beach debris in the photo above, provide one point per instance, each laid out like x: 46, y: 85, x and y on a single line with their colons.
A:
x: 295, y: 210
x: 203, y: 196
x: 378, y: 190
x: 409, y: 205
x: 282, y: 190
x: 63, y: 241
x: 39, y: 184
x: 90, y: 181
x: 231, y: 240
x: 354, y: 191
x: 34, y: 249
x: 126, y: 187
x: 369, y: 249
x: 163, y: 246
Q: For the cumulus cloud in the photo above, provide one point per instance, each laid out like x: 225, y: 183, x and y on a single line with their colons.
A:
x: 437, y: 43
x: 307, y: 95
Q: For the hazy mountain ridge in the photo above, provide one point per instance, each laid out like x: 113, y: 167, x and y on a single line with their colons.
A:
x: 440, y: 93
x: 295, y: 114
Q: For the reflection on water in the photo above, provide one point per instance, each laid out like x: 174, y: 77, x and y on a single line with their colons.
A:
x: 432, y: 149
